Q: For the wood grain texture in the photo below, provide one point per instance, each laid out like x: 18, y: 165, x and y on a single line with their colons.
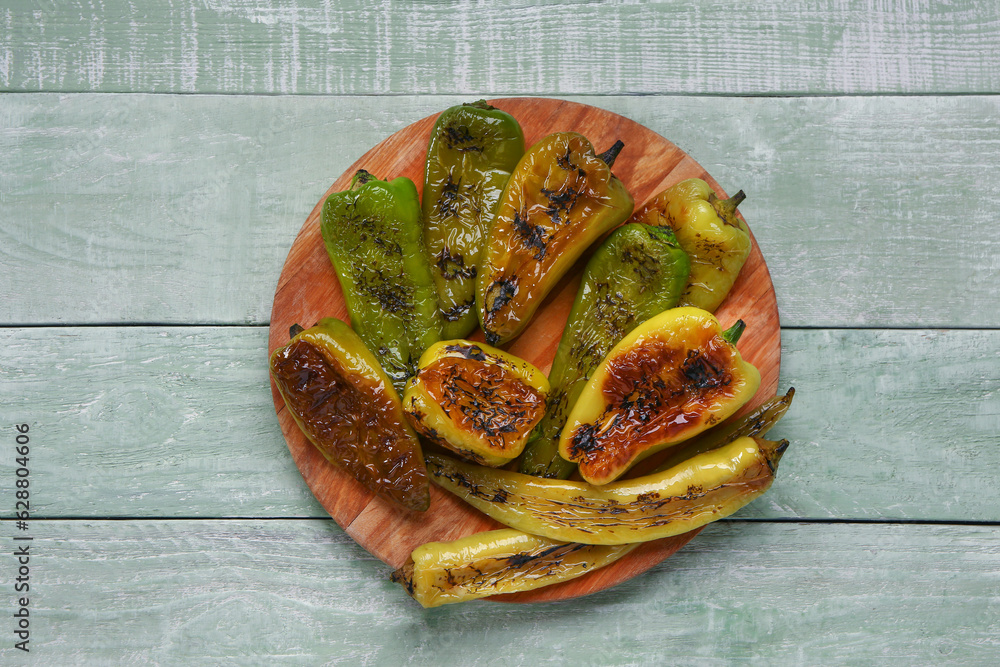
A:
x: 133, y: 422
x: 301, y: 593
x: 181, y: 209
x: 565, y: 47
x: 178, y: 422
x: 308, y: 290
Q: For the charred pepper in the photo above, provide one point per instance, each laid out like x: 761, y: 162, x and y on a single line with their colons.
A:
x: 373, y: 234
x: 472, y: 151
x: 346, y: 406
x: 560, y: 198
x: 506, y: 561
x: 495, y: 562
x: 480, y: 402
x: 671, y: 378
x: 637, y: 273
x: 704, y: 488
x: 714, y: 237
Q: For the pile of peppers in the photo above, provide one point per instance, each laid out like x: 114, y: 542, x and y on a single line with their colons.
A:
x: 642, y: 365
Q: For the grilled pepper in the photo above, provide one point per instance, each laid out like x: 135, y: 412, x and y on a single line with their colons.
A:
x: 706, y: 487
x: 373, y: 234
x: 473, y: 149
x: 714, y: 237
x: 505, y: 561
x: 637, y: 273
x: 755, y: 424
x: 480, y: 402
x: 345, y: 405
x: 560, y: 199
x: 671, y: 378
x: 495, y: 562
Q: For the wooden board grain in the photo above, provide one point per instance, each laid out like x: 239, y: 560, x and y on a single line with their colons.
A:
x: 308, y: 291
x: 117, y: 202
x: 299, y: 592
x: 896, y: 425
x: 355, y: 47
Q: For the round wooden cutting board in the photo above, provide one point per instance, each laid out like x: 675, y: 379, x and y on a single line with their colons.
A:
x: 308, y: 290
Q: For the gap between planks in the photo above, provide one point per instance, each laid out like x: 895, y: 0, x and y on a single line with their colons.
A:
x: 775, y: 520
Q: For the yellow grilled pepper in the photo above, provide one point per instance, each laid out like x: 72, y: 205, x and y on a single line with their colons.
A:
x: 508, y: 561
x: 716, y: 240
x: 671, y: 378
x: 559, y: 199
x: 495, y: 562
x: 702, y: 489
x: 480, y: 402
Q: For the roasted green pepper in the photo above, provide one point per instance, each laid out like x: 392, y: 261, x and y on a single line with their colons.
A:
x: 345, y: 405
x: 637, y: 273
x: 561, y: 198
x: 473, y: 149
x: 480, y: 402
x: 714, y: 237
x: 672, y: 377
x: 702, y: 489
x: 374, y: 237
x: 495, y: 562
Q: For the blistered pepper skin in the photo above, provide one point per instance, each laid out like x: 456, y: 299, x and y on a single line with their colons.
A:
x: 714, y: 237
x: 374, y: 237
x: 704, y: 488
x: 480, y: 402
x: 560, y: 198
x: 347, y: 408
x: 671, y: 378
x: 472, y: 151
x: 507, y: 560
x: 496, y: 562
x: 638, y: 272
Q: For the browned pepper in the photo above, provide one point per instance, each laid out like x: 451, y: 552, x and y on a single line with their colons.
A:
x: 346, y: 406
x: 671, y: 378
x: 476, y: 400
x: 560, y: 198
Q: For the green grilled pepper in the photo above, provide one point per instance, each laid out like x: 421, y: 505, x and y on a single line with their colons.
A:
x: 637, y: 273
x: 473, y: 149
x: 711, y: 233
x: 373, y: 234
x: 561, y: 198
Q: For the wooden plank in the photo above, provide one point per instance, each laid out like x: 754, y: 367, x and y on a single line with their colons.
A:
x: 300, y: 592
x: 145, y: 422
x: 181, y: 209
x: 564, y: 47
x: 177, y: 422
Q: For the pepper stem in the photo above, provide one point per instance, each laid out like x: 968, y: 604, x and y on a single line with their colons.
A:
x: 479, y: 104
x: 295, y: 330
x: 733, y: 333
x: 361, y: 177
x: 726, y: 208
x: 772, y: 450
x: 611, y: 154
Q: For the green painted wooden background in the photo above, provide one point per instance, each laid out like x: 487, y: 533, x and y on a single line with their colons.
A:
x: 156, y: 161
